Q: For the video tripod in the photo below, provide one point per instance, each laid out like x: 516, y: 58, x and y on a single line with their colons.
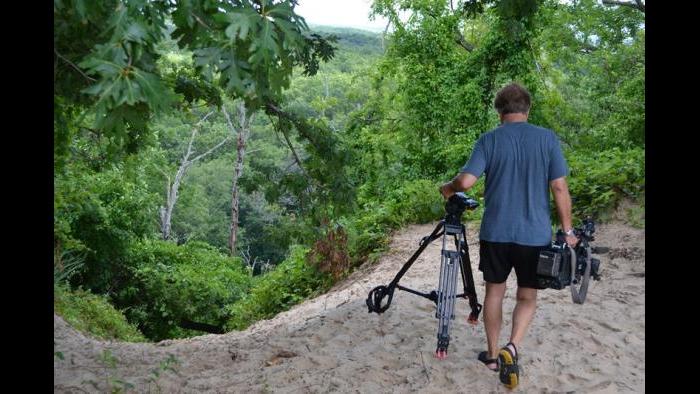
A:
x: 450, y: 261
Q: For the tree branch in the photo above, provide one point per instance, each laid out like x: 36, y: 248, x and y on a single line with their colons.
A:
x: 228, y: 118
x: 291, y: 148
x: 386, y: 28
x: 636, y: 5
x: 210, y: 150
x: 171, y: 190
x: 74, y: 66
x: 200, y: 21
x: 254, y: 150
x: 204, y: 118
x: 458, y: 36
x: 299, y: 124
x: 459, y: 39
x: 194, y: 132
x: 185, y: 159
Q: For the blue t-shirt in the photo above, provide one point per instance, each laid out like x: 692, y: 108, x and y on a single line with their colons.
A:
x: 519, y: 160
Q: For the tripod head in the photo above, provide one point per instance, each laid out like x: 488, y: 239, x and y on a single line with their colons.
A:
x: 456, y: 205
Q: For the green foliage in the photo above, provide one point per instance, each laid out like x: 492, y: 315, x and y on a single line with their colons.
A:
x: 66, y: 264
x: 107, y: 54
x: 113, y: 42
x: 445, y: 85
x: 599, y: 180
x: 253, y: 46
x: 290, y: 282
x: 203, y: 210
x: 156, y: 282
x: 592, y: 59
x: 93, y: 314
x: 414, y: 202
x: 97, y: 214
x: 172, y: 284
x: 340, y: 154
x: 635, y: 214
x: 411, y: 202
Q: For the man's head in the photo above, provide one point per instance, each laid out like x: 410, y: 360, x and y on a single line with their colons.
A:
x: 512, y: 99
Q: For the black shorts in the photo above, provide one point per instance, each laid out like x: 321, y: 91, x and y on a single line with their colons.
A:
x: 496, y: 259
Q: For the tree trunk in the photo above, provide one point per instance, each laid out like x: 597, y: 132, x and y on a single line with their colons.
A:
x: 166, y: 213
x: 238, y: 169
x: 242, y: 136
x: 171, y: 190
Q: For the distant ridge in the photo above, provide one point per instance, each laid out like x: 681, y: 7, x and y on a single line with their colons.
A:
x: 333, y: 29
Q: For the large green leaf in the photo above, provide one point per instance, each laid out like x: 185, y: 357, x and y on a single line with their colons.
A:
x: 240, y: 22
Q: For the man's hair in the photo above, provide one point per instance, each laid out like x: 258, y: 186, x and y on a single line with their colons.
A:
x: 512, y: 98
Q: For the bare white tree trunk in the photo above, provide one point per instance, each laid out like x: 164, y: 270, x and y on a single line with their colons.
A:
x: 251, y: 262
x: 242, y: 133
x: 171, y: 189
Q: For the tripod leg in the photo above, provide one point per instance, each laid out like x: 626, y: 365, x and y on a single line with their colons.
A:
x: 452, y: 289
x: 468, y: 280
x: 413, y: 258
x: 377, y: 294
x: 450, y: 261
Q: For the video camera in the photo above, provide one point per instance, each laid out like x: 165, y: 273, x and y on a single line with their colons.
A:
x: 560, y: 265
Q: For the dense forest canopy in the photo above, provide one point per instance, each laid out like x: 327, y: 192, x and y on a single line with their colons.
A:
x: 219, y: 161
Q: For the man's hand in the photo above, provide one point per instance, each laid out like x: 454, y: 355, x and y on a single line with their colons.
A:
x: 462, y: 182
x: 562, y: 199
x: 446, y: 190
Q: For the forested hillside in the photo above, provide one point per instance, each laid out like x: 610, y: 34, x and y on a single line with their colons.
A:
x: 216, y: 164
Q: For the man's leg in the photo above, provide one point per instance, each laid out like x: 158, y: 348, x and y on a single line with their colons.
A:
x: 525, y: 263
x: 494, y: 263
x: 524, y: 311
x: 493, y: 316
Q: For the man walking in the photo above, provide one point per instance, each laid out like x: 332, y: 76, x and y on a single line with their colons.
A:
x: 522, y: 162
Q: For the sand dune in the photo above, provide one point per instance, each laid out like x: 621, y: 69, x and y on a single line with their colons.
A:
x: 331, y: 343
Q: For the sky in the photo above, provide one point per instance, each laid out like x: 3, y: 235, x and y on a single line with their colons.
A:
x: 345, y: 13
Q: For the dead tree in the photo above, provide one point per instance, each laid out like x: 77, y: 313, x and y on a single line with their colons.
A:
x: 241, y: 132
x: 172, y: 188
x: 252, y: 262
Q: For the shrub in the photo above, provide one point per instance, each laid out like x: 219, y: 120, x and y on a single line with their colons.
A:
x: 329, y: 254
x: 97, y: 215
x: 289, y: 283
x: 173, y: 284
x: 599, y: 180
x: 93, y: 314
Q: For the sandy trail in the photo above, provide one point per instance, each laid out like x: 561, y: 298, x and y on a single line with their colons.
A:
x: 331, y: 343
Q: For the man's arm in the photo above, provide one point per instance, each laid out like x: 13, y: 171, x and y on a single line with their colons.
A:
x: 469, y: 173
x: 562, y: 200
x: 462, y: 182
